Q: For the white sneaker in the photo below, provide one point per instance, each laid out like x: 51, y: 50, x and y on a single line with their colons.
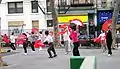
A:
x: 25, y: 53
x: 66, y: 53
x: 109, y: 55
x: 33, y: 51
x: 40, y: 49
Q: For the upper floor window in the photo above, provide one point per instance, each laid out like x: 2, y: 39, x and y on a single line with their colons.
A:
x: 15, y: 7
x: 49, y: 8
x: 34, y: 6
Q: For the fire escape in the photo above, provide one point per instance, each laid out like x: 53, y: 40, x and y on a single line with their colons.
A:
x: 65, y: 5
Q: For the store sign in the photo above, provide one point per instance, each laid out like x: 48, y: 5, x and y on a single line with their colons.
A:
x: 66, y: 19
x: 104, y: 15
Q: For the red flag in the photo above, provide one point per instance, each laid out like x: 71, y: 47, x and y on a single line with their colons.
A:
x: 21, y: 38
x: 5, y: 39
x: 38, y: 44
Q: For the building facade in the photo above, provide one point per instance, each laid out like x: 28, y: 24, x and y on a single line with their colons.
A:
x: 22, y: 15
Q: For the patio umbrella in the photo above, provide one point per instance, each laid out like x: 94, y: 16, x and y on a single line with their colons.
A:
x: 63, y: 26
x: 77, y: 22
x: 35, y: 30
x: 106, y: 24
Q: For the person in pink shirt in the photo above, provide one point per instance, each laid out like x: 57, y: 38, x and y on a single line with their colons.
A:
x: 74, y: 38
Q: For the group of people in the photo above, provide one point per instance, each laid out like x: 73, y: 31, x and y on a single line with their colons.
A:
x: 70, y: 36
x: 29, y: 40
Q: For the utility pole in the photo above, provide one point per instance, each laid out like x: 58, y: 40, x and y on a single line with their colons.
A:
x: 114, y: 21
x: 55, y: 21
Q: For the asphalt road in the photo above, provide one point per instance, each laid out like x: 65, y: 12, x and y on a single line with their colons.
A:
x: 40, y: 60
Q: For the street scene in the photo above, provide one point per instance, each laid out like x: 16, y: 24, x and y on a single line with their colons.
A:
x: 59, y: 34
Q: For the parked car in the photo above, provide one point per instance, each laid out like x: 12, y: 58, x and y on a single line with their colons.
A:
x: 85, y: 40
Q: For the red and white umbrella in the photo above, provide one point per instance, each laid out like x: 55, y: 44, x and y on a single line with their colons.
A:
x: 35, y: 30
x: 106, y: 24
x: 77, y: 22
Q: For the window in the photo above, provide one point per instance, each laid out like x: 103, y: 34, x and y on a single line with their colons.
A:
x: 34, y: 6
x: 15, y: 7
x: 49, y: 8
x: 49, y: 23
x: 35, y: 24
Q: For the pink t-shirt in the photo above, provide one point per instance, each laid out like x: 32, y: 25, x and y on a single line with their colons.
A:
x: 74, y: 36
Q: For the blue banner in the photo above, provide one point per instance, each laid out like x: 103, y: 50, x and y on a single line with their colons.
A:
x: 104, y: 15
x: 118, y: 20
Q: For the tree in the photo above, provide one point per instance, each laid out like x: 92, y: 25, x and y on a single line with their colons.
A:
x: 114, y: 21
x: 55, y: 21
x: 1, y: 61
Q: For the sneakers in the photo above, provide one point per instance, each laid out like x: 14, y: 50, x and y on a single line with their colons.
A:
x: 109, y: 55
x: 66, y: 53
x: 40, y: 49
x: 50, y: 57
x: 55, y: 56
x: 25, y: 53
x: 33, y: 51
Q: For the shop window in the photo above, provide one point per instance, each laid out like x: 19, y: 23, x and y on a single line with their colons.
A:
x: 15, y: 7
x: 15, y: 26
x: 35, y: 24
x: 49, y: 23
x: 49, y: 8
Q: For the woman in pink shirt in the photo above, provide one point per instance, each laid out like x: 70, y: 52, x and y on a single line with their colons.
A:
x: 74, y: 38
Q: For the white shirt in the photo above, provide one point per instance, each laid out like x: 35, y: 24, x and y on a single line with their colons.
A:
x: 102, y: 35
x: 66, y: 36
x: 12, y: 38
x: 48, y: 39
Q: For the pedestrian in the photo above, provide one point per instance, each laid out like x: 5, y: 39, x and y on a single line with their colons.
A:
x: 66, y: 40
x: 34, y: 38
x: 109, y: 41
x: 24, y: 41
x: 29, y: 42
x: 12, y: 41
x: 6, y: 40
x: 49, y: 41
x: 74, y: 37
x: 102, y: 37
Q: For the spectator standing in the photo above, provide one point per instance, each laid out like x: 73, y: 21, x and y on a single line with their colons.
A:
x: 109, y: 41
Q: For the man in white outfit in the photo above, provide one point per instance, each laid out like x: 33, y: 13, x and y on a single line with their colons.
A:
x: 67, y: 42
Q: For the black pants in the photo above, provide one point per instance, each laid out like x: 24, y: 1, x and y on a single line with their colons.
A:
x: 75, y: 49
x: 25, y: 47
x: 109, y: 47
x: 51, y: 48
x: 31, y: 45
x: 12, y: 46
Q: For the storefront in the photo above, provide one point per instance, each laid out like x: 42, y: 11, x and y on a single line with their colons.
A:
x: 66, y: 19
x: 15, y: 26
